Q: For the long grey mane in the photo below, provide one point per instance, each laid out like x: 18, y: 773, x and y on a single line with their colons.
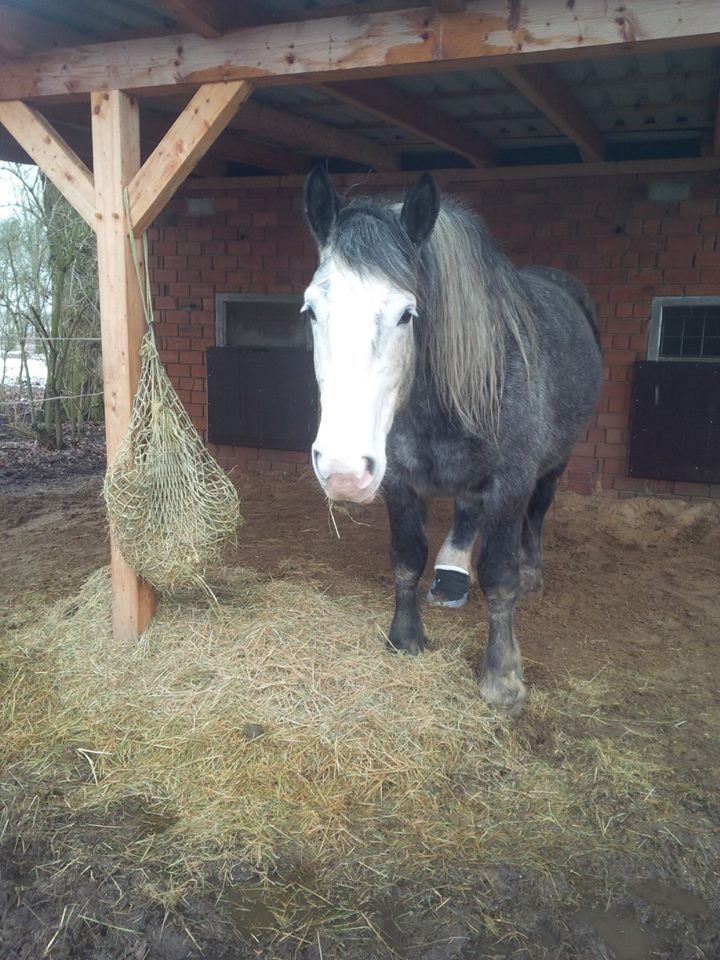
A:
x: 474, y: 302
x: 469, y: 294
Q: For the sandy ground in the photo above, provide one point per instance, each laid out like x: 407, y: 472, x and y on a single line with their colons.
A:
x: 632, y: 589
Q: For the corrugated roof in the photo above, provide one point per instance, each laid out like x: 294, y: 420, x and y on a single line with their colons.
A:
x: 665, y: 101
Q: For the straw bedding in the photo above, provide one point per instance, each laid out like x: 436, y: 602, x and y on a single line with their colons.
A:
x: 275, y: 731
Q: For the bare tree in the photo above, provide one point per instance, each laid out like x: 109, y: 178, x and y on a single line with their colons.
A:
x: 48, y: 289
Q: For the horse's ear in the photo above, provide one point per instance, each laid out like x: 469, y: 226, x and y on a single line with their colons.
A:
x: 322, y: 203
x: 420, y: 209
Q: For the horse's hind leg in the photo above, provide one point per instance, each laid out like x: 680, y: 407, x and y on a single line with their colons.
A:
x: 452, y: 564
x: 408, y: 554
x: 499, y: 576
x: 531, y: 575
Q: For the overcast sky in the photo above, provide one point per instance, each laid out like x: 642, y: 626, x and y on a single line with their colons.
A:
x: 8, y: 184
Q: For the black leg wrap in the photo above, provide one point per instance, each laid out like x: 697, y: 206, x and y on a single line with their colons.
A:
x: 449, y: 588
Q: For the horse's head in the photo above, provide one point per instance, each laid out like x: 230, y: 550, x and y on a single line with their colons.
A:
x: 362, y: 303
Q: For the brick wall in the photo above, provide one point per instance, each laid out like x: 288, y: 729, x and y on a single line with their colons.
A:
x: 604, y: 230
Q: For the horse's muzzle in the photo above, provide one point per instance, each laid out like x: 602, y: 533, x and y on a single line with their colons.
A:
x: 341, y: 482
x: 346, y: 486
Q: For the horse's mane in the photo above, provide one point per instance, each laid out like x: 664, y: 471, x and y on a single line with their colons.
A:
x: 476, y: 308
x: 470, y: 298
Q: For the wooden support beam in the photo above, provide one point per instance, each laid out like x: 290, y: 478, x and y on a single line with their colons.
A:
x: 268, y: 123
x: 399, y: 108
x: 716, y: 134
x: 116, y: 155
x: 487, y: 33
x: 52, y: 154
x: 188, y: 139
x: 538, y: 84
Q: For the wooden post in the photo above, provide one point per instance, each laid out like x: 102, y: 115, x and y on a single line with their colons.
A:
x: 116, y: 159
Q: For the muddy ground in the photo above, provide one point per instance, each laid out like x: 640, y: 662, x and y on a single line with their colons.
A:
x: 632, y: 589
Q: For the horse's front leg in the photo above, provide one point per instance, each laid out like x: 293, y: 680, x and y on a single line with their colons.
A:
x: 452, y: 565
x: 499, y: 576
x: 408, y: 555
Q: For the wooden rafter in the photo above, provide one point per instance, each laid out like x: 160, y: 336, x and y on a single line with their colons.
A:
x: 72, y: 121
x: 268, y: 123
x: 189, y: 138
x: 380, y: 44
x: 454, y: 179
x: 411, y: 113
x: 116, y: 149
x: 449, y: 6
x: 538, y: 84
x: 22, y: 32
x: 236, y: 148
x: 52, y: 154
x: 211, y: 18
x: 204, y: 17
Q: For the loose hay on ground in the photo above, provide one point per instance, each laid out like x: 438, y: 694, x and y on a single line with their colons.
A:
x: 275, y: 731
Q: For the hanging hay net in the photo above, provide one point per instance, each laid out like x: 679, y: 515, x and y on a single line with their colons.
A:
x: 171, y: 506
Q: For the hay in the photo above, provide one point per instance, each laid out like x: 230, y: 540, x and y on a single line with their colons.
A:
x: 171, y: 507
x: 276, y: 732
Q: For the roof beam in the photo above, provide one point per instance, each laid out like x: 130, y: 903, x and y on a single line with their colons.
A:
x: 454, y: 179
x: 379, y: 44
x: 211, y: 18
x: 449, y: 6
x: 411, y: 113
x: 21, y: 32
x: 538, y: 84
x: 276, y: 125
x: 204, y: 17
x: 188, y: 139
x: 51, y: 153
x: 231, y: 146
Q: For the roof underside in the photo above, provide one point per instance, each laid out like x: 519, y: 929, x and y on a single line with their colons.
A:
x: 634, y: 106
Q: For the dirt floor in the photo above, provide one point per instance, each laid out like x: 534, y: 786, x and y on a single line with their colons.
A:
x: 632, y: 594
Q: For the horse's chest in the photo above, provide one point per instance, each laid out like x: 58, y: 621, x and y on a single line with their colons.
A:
x: 435, y: 464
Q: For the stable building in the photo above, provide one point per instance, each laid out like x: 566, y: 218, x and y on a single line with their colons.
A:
x: 586, y: 134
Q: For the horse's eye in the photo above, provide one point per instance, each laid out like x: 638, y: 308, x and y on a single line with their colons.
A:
x: 309, y: 313
x: 405, y: 318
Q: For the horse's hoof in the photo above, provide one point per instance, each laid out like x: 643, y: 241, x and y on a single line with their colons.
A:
x: 531, y: 580
x: 411, y: 646
x: 508, y: 693
x: 449, y: 589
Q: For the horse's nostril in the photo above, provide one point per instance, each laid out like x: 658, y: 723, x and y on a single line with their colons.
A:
x: 316, y: 459
x: 371, y: 465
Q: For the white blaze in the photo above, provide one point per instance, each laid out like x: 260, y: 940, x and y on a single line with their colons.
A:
x: 364, y: 354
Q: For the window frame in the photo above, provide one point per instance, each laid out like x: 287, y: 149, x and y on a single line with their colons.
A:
x: 655, y: 328
x: 221, y: 316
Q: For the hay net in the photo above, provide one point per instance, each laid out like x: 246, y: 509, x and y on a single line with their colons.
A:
x: 171, y: 507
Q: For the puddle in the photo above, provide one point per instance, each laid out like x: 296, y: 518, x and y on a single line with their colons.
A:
x: 668, y: 897
x: 628, y: 939
x: 259, y: 908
